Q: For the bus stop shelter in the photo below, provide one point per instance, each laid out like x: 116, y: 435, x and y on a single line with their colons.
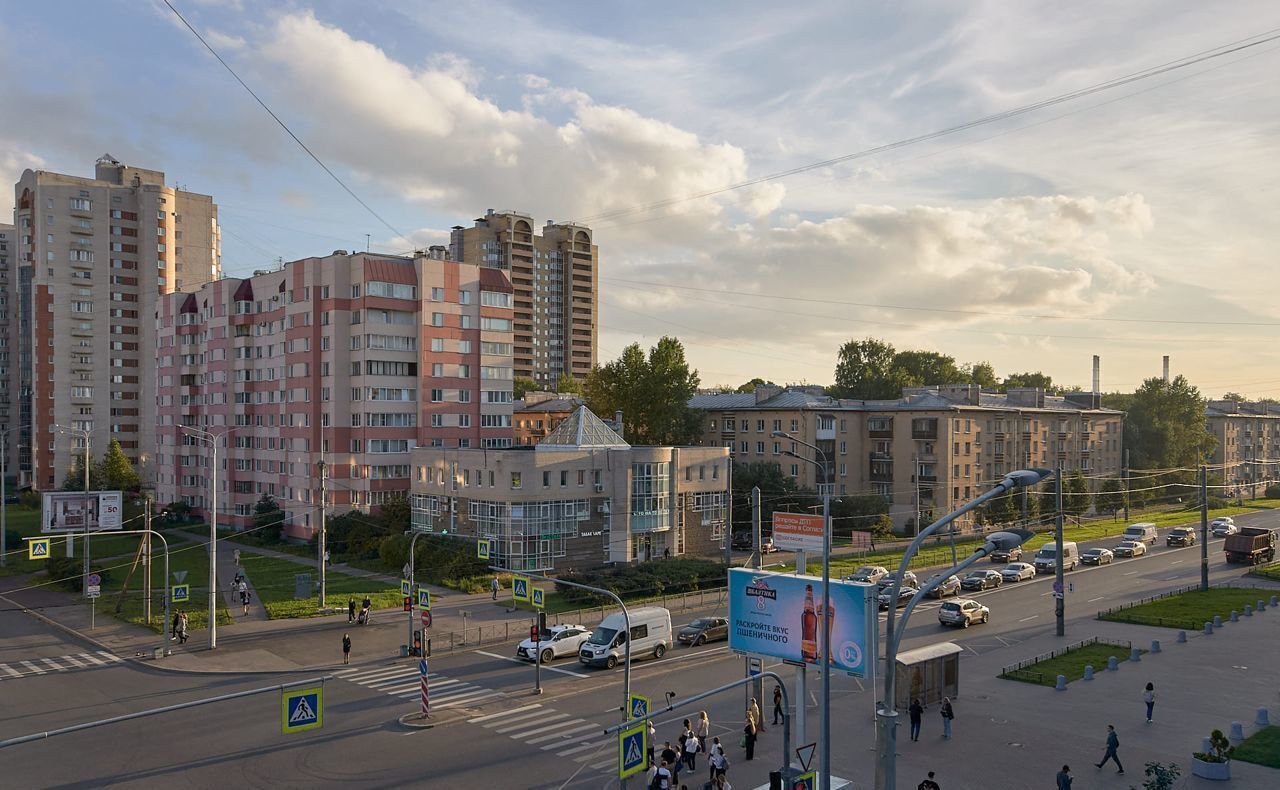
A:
x: 928, y: 674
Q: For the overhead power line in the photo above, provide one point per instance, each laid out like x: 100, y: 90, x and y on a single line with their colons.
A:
x: 281, y: 123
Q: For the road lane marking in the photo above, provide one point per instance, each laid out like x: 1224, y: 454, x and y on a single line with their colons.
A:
x: 503, y: 713
x: 15, y: 673
x: 1032, y: 617
x: 565, y: 728
x: 461, y: 699
x: 56, y: 666
x: 530, y: 663
x: 35, y: 669
x: 1175, y: 562
x: 1099, y: 598
x: 577, y: 732
x: 533, y: 714
x: 524, y: 725
x: 89, y: 657
x: 1130, y: 573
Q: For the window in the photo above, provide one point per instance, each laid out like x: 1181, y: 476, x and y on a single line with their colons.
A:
x: 437, y: 319
x: 392, y: 290
x: 437, y: 294
x: 515, y: 480
x: 495, y: 373
x: 495, y: 299
x: 495, y: 324
x: 464, y: 297
x: 437, y: 396
x: 464, y: 322
x: 355, y: 291
x: 437, y: 344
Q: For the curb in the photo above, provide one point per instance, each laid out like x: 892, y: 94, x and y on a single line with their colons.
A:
x: 65, y: 628
x: 416, y: 721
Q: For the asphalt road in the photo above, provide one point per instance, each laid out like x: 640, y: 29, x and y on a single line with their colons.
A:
x: 491, y: 730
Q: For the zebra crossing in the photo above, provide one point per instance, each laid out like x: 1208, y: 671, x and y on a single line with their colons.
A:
x: 566, y: 736
x: 40, y: 666
x: 402, y: 682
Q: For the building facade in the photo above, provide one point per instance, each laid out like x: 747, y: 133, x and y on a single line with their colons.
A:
x: 926, y: 453
x: 555, y: 280
x: 93, y: 257
x: 353, y: 360
x: 8, y: 249
x: 581, y: 498
x: 537, y: 414
x: 1248, y: 444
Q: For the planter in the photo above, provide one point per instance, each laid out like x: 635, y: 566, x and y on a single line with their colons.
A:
x: 1215, y: 771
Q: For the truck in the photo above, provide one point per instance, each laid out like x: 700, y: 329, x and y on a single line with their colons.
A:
x: 1253, y: 545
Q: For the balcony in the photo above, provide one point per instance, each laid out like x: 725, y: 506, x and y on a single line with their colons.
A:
x: 924, y: 433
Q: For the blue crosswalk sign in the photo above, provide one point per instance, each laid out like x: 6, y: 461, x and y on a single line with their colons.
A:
x: 181, y: 593
x: 632, y: 750
x: 301, y: 710
x: 520, y: 588
x: 38, y: 548
x: 639, y: 706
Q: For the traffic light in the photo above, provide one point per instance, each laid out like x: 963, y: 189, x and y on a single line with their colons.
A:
x: 533, y: 634
x: 542, y: 622
x: 408, y: 603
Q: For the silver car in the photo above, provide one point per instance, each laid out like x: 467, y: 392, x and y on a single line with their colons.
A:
x: 1223, y: 526
x: 963, y: 612
x: 868, y: 574
x: 1018, y: 571
x: 948, y: 586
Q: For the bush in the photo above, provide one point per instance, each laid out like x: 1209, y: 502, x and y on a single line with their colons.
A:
x: 1272, y: 491
x: 30, y: 500
x: 354, y: 536
x: 68, y: 572
x: 656, y: 577
x: 438, y: 560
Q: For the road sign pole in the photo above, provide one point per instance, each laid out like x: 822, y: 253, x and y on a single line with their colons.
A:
x: 422, y: 682
x: 536, y: 636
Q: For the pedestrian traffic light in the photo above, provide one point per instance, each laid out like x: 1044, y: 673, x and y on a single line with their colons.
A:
x: 408, y: 604
x: 533, y: 634
x: 542, y: 622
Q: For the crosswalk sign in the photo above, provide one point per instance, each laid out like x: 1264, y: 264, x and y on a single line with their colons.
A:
x: 424, y: 599
x: 482, y: 549
x: 181, y: 593
x: 300, y: 710
x: 406, y: 587
x: 639, y: 706
x: 520, y: 588
x: 633, y: 750
x: 38, y: 548
x: 805, y: 781
x: 538, y: 597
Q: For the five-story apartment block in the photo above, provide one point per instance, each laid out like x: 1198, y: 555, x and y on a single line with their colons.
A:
x: 1248, y: 444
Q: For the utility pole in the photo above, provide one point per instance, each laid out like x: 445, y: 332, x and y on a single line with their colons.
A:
x: 1126, y: 484
x: 802, y: 671
x: 146, y: 562
x: 324, y: 552
x: 915, y: 479
x: 1060, y: 592
x: 1204, y: 528
x: 728, y: 526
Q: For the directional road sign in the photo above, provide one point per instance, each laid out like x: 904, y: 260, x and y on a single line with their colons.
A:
x: 300, y: 710
x: 406, y: 587
x: 639, y: 706
x: 424, y: 598
x: 482, y: 549
x: 181, y: 593
x: 632, y: 750
x: 520, y: 588
x: 38, y: 548
x: 536, y: 595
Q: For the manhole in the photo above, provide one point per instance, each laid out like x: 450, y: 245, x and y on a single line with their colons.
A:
x: 1014, y: 744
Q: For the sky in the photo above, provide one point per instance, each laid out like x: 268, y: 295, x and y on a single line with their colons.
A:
x: 1130, y: 223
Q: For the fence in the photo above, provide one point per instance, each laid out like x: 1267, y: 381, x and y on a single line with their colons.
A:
x: 1019, y: 670
x: 1117, y: 614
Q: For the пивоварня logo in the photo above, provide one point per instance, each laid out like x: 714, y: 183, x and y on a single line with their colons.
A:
x: 761, y: 591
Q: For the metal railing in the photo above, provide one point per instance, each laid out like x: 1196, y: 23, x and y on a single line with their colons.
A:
x: 1019, y: 671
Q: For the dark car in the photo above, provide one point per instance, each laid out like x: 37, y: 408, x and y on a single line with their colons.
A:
x: 948, y: 586
x: 1007, y: 555
x: 981, y: 580
x: 1097, y: 556
x: 1180, y: 536
x: 909, y: 579
x: 904, y: 596
x: 703, y: 630
x: 743, y: 541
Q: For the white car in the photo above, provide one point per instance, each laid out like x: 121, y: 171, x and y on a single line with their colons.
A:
x: 1130, y: 548
x: 1221, y: 527
x: 1017, y: 571
x: 564, y: 640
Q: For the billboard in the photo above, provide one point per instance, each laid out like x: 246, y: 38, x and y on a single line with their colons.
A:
x: 68, y: 511
x: 777, y: 615
x: 797, y: 531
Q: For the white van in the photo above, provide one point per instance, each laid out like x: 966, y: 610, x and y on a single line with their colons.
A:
x: 650, y: 636
x: 1046, y: 560
x: 1142, y: 533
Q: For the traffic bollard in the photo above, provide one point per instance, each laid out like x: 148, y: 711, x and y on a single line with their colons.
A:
x: 1217, y: 621
x: 1235, y: 618
x: 1248, y: 610
x: 1262, y: 605
x: 1237, y: 732
x: 1135, y: 654
x: 1088, y: 672
x: 1182, y: 637
x: 1062, y: 683
x: 1112, y: 662
x: 1275, y: 600
x: 1155, y: 645
x: 1264, y: 719
x: 1208, y: 628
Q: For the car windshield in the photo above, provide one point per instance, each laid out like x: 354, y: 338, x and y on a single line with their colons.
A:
x: 701, y: 622
x: 977, y: 575
x: 603, y: 636
x: 865, y: 571
x: 951, y: 607
x: 1093, y: 552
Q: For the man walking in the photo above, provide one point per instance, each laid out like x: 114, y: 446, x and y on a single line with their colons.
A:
x: 1064, y: 778
x: 1113, y: 743
x: 346, y: 648
x: 928, y: 783
x: 173, y: 627
x: 351, y: 609
x: 495, y: 585
x: 915, y: 711
x: 777, y: 704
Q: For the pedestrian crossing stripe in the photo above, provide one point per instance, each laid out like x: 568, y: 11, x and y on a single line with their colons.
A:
x: 300, y: 710
x: 17, y: 669
x: 404, y: 682
x: 38, y: 548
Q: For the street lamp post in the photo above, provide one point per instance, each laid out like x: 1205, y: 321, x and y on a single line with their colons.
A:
x: 886, y: 716
x: 824, y: 772
x: 213, y: 439
x: 84, y: 579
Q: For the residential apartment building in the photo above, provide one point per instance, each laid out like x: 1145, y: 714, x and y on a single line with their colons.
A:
x: 353, y: 360
x: 581, y: 498
x: 93, y: 257
x: 1248, y: 444
x: 8, y: 249
x: 555, y: 277
x: 927, y: 452
x: 537, y: 414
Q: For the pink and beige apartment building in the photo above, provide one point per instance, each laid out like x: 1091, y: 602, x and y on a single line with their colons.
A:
x: 349, y: 360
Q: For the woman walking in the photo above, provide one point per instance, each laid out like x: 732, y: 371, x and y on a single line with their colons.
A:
x: 182, y: 628
x: 749, y: 737
x: 1149, y: 697
x: 704, y: 731
x: 915, y: 711
x: 947, y: 715
x: 346, y: 648
x: 754, y: 709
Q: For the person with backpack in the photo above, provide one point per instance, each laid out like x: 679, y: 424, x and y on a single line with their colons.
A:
x: 718, y: 759
x: 662, y: 779
x: 1113, y: 743
x: 928, y: 783
x: 948, y: 713
x: 916, y: 711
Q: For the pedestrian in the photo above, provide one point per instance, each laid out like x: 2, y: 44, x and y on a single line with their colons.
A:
x: 182, y: 628
x: 928, y: 783
x: 653, y: 734
x: 1113, y: 743
x: 691, y: 750
x: 777, y: 704
x: 1149, y: 697
x: 1064, y: 778
x: 236, y: 554
x: 244, y: 599
x: 173, y: 627
x: 947, y: 715
x: 704, y: 731
x: 495, y: 585
x: 749, y: 737
x: 346, y: 648
x: 754, y: 710
x: 718, y: 759
x: 671, y: 759
x: 916, y: 711
x: 721, y: 783
x: 351, y: 609
x: 663, y: 778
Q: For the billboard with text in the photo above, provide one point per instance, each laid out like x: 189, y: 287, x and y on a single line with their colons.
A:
x: 69, y: 511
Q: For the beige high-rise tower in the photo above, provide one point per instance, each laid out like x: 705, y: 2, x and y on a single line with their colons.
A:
x: 92, y: 255
x: 555, y: 280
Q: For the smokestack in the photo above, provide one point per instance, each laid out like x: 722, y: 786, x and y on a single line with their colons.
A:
x: 1097, y: 374
x: 1166, y: 368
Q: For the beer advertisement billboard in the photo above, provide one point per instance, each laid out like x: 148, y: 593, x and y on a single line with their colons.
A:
x: 780, y: 616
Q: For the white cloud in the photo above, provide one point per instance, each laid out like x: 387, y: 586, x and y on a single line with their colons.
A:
x: 13, y: 160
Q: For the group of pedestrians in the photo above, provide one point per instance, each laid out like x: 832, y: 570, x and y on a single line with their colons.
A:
x: 240, y: 586
x: 666, y: 766
x: 178, y: 628
x: 916, y: 714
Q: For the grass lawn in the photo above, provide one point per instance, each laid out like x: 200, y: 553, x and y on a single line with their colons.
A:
x: 1070, y: 664
x: 273, y: 580
x: 1268, y: 571
x: 1262, y: 748
x: 1190, y: 610
x: 191, y: 558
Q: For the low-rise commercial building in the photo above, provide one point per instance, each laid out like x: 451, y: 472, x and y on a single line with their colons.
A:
x: 537, y: 414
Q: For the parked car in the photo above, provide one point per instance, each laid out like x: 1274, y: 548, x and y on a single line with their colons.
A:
x: 909, y: 579
x: 904, y: 596
x: 766, y: 546
x: 981, y: 580
x: 1223, y: 526
x: 1180, y: 536
x: 1017, y: 571
x: 1007, y: 555
x: 868, y: 574
x: 1097, y: 556
x: 703, y: 630
x: 562, y: 640
x: 743, y: 541
x: 963, y: 612
x: 1131, y: 548
x: 949, y: 586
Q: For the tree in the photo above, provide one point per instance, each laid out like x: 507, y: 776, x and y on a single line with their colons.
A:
x: 750, y: 386
x: 268, y: 519
x: 1110, y: 496
x: 1075, y: 494
x: 1165, y: 426
x: 1235, y: 396
x: 521, y: 385
x: 652, y: 393
x: 925, y: 368
x: 1037, y: 379
x: 1001, y: 510
x: 859, y: 513
x: 74, y: 481
x: 395, y: 514
x: 117, y: 472
x: 865, y: 370
x: 980, y: 373
x: 778, y: 491
x: 567, y: 384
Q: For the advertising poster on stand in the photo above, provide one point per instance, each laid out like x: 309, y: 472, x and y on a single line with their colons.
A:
x: 68, y: 511
x: 779, y: 615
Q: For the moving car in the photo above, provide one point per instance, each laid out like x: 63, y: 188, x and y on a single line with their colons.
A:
x: 1223, y: 526
x: 1180, y: 536
x: 1017, y: 571
x: 981, y: 580
x: 561, y: 640
x: 868, y: 574
x: 703, y: 630
x: 963, y: 612
x: 650, y: 636
x: 1131, y: 548
x: 949, y: 586
x: 1142, y: 533
x: 1007, y: 555
x: 909, y: 579
x: 1046, y: 560
x: 1097, y: 557
x: 904, y: 596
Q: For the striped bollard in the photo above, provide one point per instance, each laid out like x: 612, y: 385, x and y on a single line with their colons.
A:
x: 422, y: 684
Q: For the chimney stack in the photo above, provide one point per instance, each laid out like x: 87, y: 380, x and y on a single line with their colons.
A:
x: 1097, y: 374
x: 1166, y: 368
x: 617, y: 422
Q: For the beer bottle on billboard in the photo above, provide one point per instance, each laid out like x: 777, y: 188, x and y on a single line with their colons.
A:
x: 830, y: 613
x: 809, y: 629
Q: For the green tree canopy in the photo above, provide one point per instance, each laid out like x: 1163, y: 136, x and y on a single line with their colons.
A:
x: 1037, y: 379
x: 860, y: 513
x: 925, y: 368
x: 567, y: 384
x: 395, y: 514
x: 521, y: 385
x: 268, y: 518
x: 74, y: 481
x: 865, y: 370
x: 1235, y: 396
x: 750, y: 386
x: 1075, y: 494
x: 980, y: 373
x: 118, y: 473
x: 1165, y: 425
x: 652, y: 393
x: 1110, y: 496
x: 778, y: 491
